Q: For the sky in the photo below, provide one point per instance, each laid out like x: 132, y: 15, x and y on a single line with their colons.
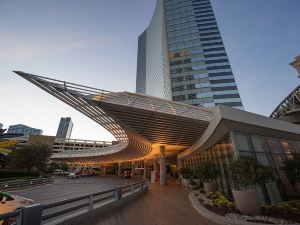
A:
x: 94, y: 43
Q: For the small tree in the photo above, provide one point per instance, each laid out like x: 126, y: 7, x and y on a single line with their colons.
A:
x: 208, y: 171
x: 247, y: 173
x: 292, y: 170
x: 185, y: 172
x: 53, y: 165
x: 30, y: 156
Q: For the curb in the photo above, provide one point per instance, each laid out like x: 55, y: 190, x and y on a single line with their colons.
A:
x: 213, y: 216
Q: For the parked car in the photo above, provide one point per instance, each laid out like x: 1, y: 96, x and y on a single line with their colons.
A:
x: 85, y: 174
x: 126, y: 175
x: 10, y: 203
x: 58, y: 172
x: 73, y: 176
x: 65, y: 173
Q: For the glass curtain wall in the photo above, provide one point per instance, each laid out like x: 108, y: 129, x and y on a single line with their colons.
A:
x: 268, y: 151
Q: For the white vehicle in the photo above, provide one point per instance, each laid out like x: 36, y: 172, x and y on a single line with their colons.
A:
x: 65, y: 173
x: 10, y: 203
x: 73, y: 176
x: 58, y: 172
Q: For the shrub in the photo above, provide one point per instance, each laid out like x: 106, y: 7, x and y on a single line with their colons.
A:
x: 291, y: 168
x: 230, y: 205
x: 267, y: 209
x: 247, y: 172
x: 281, y: 209
x: 208, y: 171
x: 221, y: 203
x: 13, y: 173
x: 209, y: 194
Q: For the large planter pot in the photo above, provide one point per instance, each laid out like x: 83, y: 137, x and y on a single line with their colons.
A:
x: 297, y: 187
x: 210, y: 187
x: 247, y: 201
x: 193, y: 187
x: 197, y: 181
x: 185, y: 182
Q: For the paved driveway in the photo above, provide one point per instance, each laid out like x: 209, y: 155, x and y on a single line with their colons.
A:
x: 66, y: 188
x: 167, y: 205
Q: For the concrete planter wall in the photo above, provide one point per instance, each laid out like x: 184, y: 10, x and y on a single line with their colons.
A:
x: 210, y: 187
x: 247, y: 201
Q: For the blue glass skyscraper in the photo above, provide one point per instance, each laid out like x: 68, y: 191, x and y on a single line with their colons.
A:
x: 181, y: 56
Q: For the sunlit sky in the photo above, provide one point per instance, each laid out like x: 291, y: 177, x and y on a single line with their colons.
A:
x: 94, y: 43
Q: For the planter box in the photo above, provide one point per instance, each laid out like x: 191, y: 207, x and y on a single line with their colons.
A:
x: 247, y: 202
x: 210, y: 187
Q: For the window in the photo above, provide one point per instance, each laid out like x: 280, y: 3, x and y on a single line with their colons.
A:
x: 221, y: 81
x: 242, y: 142
x: 212, y: 44
x: 216, y: 61
x: 226, y: 96
x: 218, y: 67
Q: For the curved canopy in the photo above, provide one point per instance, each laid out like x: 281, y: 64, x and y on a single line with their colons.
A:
x: 137, y: 121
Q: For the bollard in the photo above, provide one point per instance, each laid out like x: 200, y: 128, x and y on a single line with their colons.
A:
x: 91, y: 202
x: 118, y: 193
x: 32, y: 215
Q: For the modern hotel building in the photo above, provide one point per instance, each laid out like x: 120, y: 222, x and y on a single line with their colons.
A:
x: 181, y: 56
x: 151, y: 130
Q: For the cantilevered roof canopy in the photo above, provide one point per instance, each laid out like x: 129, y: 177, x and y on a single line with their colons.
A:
x: 137, y: 121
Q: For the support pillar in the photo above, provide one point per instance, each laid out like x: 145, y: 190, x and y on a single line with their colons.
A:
x: 132, y: 169
x: 163, y: 165
x: 145, y: 170
x: 119, y: 170
x: 179, y: 164
x: 155, y: 162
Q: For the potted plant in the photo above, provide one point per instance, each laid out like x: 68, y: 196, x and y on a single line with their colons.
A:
x: 209, y: 172
x: 246, y: 175
x: 291, y: 168
x: 196, y: 176
x: 185, y: 174
x: 193, y: 185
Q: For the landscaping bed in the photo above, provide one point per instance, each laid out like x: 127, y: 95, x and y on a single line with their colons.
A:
x: 275, y: 214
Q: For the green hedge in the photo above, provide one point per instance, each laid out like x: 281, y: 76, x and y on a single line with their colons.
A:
x: 11, y: 173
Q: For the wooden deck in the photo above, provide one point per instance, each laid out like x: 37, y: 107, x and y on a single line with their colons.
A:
x: 167, y: 205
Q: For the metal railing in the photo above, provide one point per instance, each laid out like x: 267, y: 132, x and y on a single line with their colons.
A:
x: 16, y: 184
x: 64, y: 208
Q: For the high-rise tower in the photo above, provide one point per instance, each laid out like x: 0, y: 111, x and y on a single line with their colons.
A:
x: 65, y: 128
x: 182, y: 53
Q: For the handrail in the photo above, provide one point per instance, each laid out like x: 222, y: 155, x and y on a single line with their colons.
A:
x: 88, y: 201
x: 84, y: 203
x: 9, y: 185
x: 13, y: 214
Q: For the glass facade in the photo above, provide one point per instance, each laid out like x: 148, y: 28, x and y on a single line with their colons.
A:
x: 268, y: 151
x: 199, y: 66
x: 65, y: 128
x: 182, y: 50
x: 153, y: 73
x: 22, y: 129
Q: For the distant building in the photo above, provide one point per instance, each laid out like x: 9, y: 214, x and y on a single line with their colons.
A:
x: 24, y: 130
x: 65, y: 128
